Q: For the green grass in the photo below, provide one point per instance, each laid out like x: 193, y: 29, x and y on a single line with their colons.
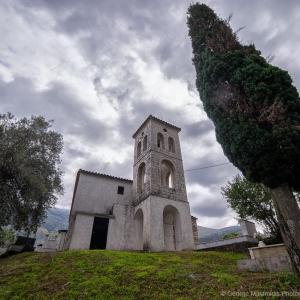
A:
x: 98, y: 274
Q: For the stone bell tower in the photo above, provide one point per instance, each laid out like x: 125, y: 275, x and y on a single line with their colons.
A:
x: 159, y: 193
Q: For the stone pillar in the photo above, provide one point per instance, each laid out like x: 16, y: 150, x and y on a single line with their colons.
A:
x: 248, y: 228
x: 195, y: 230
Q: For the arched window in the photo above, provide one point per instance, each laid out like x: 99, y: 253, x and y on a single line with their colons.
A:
x: 141, y: 177
x: 167, y: 174
x: 171, y: 145
x: 139, y: 148
x: 145, y: 143
x: 160, y: 141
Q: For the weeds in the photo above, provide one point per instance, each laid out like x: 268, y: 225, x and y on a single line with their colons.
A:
x: 101, y: 274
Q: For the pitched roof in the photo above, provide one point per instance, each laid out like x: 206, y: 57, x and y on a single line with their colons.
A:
x: 158, y: 120
x: 103, y: 175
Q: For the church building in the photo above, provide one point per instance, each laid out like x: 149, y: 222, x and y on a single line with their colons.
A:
x: 150, y: 212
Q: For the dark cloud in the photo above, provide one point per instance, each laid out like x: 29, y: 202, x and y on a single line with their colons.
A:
x: 116, y: 42
x: 198, y: 129
x: 207, y: 206
x: 58, y: 102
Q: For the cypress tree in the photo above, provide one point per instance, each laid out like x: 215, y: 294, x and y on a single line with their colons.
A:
x: 256, y: 113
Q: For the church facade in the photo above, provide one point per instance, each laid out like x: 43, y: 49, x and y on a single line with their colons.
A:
x: 150, y: 212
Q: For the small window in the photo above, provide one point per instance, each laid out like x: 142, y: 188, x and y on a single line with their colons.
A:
x: 121, y: 190
x: 171, y: 145
x: 160, y: 141
x: 139, y: 149
x: 165, y: 130
x: 145, y: 143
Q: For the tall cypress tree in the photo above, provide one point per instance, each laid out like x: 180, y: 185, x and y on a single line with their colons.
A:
x: 256, y: 113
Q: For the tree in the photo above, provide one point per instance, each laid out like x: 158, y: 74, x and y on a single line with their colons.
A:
x: 256, y: 113
x: 252, y: 201
x: 30, y: 177
x: 7, y: 236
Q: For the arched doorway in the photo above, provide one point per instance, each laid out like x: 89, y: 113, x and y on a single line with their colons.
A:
x: 139, y: 229
x: 172, y: 229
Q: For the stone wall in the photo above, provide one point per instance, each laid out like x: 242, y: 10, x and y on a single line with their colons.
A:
x: 195, y: 230
x: 237, y: 244
x: 276, y: 264
x: 152, y: 157
x: 268, y: 251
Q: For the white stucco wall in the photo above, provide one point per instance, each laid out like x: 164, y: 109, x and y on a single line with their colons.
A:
x: 82, y: 232
x: 121, y: 229
x: 97, y: 194
x: 153, y: 208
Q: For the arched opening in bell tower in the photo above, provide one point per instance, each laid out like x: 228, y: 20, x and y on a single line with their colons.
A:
x: 172, y: 229
x: 141, y: 177
x: 167, y: 174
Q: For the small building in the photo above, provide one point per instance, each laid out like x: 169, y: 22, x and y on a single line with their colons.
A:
x: 150, y: 212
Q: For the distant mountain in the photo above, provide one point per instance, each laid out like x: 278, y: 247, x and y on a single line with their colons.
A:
x: 57, y: 218
x: 206, y: 234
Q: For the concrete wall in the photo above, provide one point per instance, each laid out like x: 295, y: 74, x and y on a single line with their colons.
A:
x: 97, y: 194
x: 82, y: 232
x: 268, y: 251
x: 153, y: 210
x: 219, y: 244
x: 248, y: 228
x: 121, y: 230
x: 276, y: 264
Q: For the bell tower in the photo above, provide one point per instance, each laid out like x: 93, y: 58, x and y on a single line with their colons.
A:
x: 159, y: 191
x: 158, y: 168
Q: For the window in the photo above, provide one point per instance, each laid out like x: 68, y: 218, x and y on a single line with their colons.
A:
x: 167, y: 174
x: 171, y: 145
x: 145, y: 143
x: 121, y: 190
x: 160, y: 141
x: 141, y: 180
x: 139, y: 148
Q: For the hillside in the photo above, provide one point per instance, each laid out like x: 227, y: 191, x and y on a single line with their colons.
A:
x: 206, y: 234
x: 98, y: 274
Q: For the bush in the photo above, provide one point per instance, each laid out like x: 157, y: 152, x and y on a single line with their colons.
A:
x: 231, y: 235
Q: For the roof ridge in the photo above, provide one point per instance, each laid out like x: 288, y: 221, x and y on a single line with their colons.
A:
x: 101, y: 174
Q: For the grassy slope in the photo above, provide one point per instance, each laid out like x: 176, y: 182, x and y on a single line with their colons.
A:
x: 127, y: 275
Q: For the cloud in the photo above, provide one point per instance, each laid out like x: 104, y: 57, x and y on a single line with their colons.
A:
x: 100, y: 68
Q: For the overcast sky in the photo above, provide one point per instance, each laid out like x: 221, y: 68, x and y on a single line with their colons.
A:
x: 100, y: 67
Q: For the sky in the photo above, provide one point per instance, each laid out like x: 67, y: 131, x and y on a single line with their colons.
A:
x: 99, y: 68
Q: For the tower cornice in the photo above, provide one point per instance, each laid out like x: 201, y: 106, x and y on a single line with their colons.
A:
x: 158, y: 120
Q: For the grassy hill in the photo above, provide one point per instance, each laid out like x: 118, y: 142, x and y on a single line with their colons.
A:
x: 98, y: 274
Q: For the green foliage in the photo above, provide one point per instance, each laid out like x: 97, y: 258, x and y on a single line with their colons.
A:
x: 30, y: 177
x: 7, y: 236
x: 230, y: 235
x: 105, y: 274
x: 254, y: 106
x: 288, y: 278
x: 251, y: 201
